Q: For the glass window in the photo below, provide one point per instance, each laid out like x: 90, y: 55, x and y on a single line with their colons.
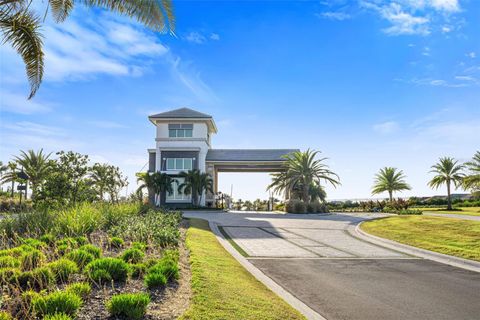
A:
x: 180, y: 133
x: 179, y: 164
x: 170, y: 164
x: 187, y: 163
x: 177, y: 195
x: 172, y: 133
x: 180, y: 130
x: 188, y: 133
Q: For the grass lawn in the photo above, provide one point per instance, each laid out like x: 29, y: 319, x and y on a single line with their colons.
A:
x: 469, y: 211
x: 222, y: 288
x: 455, y: 237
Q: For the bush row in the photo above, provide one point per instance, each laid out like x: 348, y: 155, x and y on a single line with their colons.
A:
x: 299, y: 206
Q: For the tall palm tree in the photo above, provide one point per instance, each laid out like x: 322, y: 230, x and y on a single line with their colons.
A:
x: 99, y: 174
x: 156, y: 182
x: 472, y: 180
x: 391, y: 180
x: 11, y: 176
x: 195, y: 183
x: 19, y: 25
x: 302, y: 169
x: 36, y: 165
x: 3, y: 169
x: 447, y: 171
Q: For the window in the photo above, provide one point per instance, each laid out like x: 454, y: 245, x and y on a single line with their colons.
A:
x: 179, y: 163
x: 180, y: 130
x: 176, y: 195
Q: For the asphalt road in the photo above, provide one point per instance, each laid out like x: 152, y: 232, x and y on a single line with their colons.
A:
x: 379, y: 288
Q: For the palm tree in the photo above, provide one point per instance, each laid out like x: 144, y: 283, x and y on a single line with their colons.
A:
x: 20, y: 25
x: 195, y: 183
x: 447, y: 171
x: 36, y: 165
x: 3, y: 168
x: 472, y: 180
x: 302, y: 169
x: 389, y: 179
x: 317, y: 192
x: 156, y: 182
x: 99, y: 175
x: 11, y: 176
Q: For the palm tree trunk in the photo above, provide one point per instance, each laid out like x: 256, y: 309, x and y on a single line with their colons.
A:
x: 390, y: 193
x: 13, y: 188
x: 449, y: 198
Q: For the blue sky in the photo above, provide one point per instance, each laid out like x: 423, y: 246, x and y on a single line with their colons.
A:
x: 369, y: 83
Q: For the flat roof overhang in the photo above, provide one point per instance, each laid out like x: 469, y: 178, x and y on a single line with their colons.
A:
x: 247, y: 166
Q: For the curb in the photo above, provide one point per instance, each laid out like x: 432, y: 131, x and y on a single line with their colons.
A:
x: 305, y: 310
x: 426, y: 254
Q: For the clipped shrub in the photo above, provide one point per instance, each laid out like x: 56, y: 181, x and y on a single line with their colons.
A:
x: 96, y: 252
x: 5, y: 316
x: 81, y: 289
x: 57, y: 302
x: 311, y: 208
x: 57, y: 316
x: 9, y: 262
x: 80, y: 257
x: 31, y: 259
x: 155, y: 280
x: 116, y: 268
x: 48, y: 238
x: 132, y: 255
x: 37, y: 279
x: 295, y: 206
x: 62, y: 269
x: 137, y: 270
x: 128, y: 305
x: 116, y: 242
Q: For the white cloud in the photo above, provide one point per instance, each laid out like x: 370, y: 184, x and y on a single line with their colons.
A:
x: 403, y: 22
x: 334, y: 15
x: 215, y: 36
x: 18, y: 103
x: 446, y: 29
x: 26, y: 127
x: 445, y: 5
x: 386, y: 127
x: 472, y: 55
x: 195, y: 37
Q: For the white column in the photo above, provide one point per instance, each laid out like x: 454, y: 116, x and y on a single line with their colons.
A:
x: 202, y: 156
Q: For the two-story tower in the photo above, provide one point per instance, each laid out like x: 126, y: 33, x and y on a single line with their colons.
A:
x: 182, y: 143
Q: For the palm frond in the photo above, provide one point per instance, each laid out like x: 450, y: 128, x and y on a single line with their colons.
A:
x: 21, y: 31
x: 61, y: 9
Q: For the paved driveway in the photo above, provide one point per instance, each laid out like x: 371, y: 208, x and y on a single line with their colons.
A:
x: 341, y: 277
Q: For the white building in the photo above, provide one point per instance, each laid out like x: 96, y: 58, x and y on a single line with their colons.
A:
x: 183, y: 142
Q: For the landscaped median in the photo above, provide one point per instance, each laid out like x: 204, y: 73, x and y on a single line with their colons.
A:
x: 456, y: 237
x: 222, y: 288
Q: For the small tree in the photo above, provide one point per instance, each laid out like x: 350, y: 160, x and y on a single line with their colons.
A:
x: 36, y: 166
x: 195, y: 183
x: 472, y: 180
x: 447, y: 171
x: 157, y: 183
x: 389, y: 180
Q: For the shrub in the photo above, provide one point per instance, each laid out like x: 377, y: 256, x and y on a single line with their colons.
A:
x: 81, y: 289
x: 129, y: 305
x: 70, y: 242
x: 29, y: 295
x: 155, y: 279
x: 132, y: 255
x: 57, y: 316
x: 62, y: 269
x: 37, y: 279
x: 31, y: 259
x: 9, y: 262
x: 409, y: 212
x: 5, y: 316
x: 34, y: 243
x: 295, y: 206
x: 96, y: 252
x: 81, y: 240
x: 168, y: 266
x: 63, y: 249
x: 80, y: 257
x: 116, y: 268
x: 57, y: 302
x: 80, y: 220
x: 137, y: 270
x: 311, y: 208
x: 116, y: 242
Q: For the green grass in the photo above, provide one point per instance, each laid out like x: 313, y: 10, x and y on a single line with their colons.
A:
x: 454, y: 237
x: 469, y: 211
x: 222, y: 288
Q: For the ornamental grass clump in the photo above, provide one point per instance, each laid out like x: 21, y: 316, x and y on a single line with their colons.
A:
x: 5, y: 316
x: 81, y: 289
x: 48, y: 239
x: 128, y: 305
x: 9, y: 262
x: 80, y: 257
x: 7, y: 275
x: 116, y: 242
x: 132, y: 255
x: 57, y: 316
x: 164, y: 270
x: 62, y: 269
x: 57, y: 302
x: 31, y: 259
x: 117, y: 269
x: 96, y: 252
x: 137, y: 270
x: 36, y: 279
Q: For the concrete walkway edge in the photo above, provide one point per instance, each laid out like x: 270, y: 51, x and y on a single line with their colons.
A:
x: 305, y: 310
x: 426, y: 254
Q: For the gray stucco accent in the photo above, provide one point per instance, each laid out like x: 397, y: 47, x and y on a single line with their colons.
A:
x: 181, y: 113
x: 151, y: 161
x: 248, y: 154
